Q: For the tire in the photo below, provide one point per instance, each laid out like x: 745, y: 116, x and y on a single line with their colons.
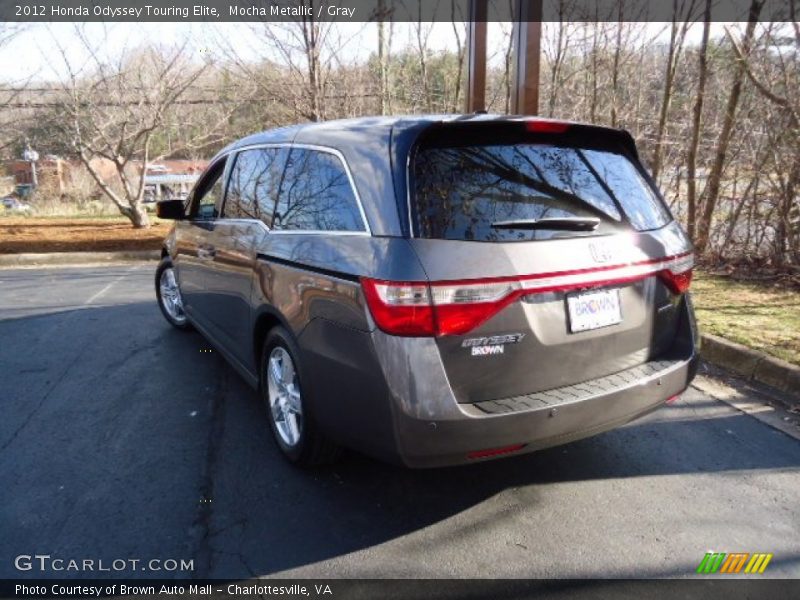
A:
x: 169, y: 300
x: 301, y: 443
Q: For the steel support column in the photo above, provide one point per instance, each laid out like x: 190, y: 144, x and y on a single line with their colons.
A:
x: 475, y: 96
x: 527, y: 35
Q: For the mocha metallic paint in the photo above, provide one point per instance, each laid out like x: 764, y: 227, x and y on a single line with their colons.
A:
x: 407, y: 399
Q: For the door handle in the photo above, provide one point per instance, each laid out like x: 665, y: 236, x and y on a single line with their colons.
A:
x: 206, y: 252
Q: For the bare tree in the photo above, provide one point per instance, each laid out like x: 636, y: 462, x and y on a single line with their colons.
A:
x: 778, y: 85
x: 712, y: 189
x: 9, y: 95
x: 556, y: 53
x: 299, y: 67
x: 682, y: 11
x: 422, y: 33
x: 383, y: 52
x: 111, y: 111
x: 459, y: 34
x: 697, y: 115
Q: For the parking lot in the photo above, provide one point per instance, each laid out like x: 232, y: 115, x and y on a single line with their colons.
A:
x: 124, y: 438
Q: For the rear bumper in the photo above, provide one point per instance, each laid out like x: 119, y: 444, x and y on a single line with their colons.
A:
x: 432, y: 442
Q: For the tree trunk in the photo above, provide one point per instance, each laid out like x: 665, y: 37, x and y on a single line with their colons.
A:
x: 139, y: 217
x: 697, y: 114
x: 669, y: 78
x: 712, y: 189
x: 615, y: 68
x: 594, y: 71
x: 784, y: 245
x: 507, y: 69
x: 461, y: 55
x: 311, y: 43
x: 555, y: 70
x: 382, y: 55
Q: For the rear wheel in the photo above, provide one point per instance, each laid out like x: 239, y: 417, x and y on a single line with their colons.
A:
x: 281, y: 387
x: 169, y: 296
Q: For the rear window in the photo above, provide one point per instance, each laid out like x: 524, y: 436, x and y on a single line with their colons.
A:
x: 463, y: 192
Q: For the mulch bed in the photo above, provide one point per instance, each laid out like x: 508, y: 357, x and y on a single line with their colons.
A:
x: 23, y: 234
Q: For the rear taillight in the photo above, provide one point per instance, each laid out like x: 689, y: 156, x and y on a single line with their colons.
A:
x: 400, y: 308
x: 457, y: 307
x: 678, y: 273
x: 421, y: 309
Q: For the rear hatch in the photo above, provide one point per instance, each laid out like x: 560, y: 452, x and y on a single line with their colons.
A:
x: 551, y: 257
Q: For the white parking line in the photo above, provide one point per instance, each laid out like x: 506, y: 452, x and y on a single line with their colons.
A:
x: 110, y: 284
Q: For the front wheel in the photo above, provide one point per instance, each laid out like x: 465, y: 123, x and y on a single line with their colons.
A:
x: 169, y: 296
x: 281, y: 387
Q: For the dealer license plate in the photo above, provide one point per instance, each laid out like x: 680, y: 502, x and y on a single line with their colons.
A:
x: 592, y: 310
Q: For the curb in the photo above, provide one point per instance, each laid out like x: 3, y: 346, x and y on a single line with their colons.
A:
x: 75, y: 258
x: 751, y: 364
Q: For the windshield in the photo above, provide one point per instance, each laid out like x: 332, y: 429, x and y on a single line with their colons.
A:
x: 460, y: 192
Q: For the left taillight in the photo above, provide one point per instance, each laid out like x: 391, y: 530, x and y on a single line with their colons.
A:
x: 421, y: 309
x: 400, y: 308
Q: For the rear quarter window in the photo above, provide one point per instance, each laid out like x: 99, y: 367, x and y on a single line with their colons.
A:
x: 459, y: 192
x: 316, y: 194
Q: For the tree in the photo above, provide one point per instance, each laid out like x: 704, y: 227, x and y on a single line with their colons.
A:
x: 682, y: 11
x: 780, y: 90
x: 712, y: 189
x: 697, y: 115
x: 111, y: 110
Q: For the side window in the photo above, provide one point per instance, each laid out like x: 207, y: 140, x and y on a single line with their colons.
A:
x: 316, y: 194
x: 209, y: 191
x: 253, y: 184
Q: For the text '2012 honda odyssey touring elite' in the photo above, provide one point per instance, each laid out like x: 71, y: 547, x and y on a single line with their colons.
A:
x: 435, y: 290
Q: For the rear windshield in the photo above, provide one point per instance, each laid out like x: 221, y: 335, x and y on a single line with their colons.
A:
x: 480, y: 192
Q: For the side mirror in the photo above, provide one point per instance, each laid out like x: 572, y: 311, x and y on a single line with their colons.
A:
x: 170, y: 209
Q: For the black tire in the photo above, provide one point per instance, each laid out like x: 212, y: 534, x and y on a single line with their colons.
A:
x: 182, y: 324
x: 312, y: 447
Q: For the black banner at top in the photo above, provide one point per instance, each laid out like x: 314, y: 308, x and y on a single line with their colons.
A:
x: 372, y: 10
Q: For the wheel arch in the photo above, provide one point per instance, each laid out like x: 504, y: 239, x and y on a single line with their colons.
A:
x: 267, y: 318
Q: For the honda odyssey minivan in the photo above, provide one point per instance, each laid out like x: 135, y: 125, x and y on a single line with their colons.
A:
x: 435, y: 290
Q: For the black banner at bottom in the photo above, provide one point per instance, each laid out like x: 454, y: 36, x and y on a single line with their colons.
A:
x: 428, y: 589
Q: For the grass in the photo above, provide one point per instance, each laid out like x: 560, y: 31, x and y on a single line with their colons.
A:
x: 755, y: 314
x: 80, y: 234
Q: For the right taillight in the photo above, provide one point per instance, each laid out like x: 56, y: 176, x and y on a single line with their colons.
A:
x: 677, y: 273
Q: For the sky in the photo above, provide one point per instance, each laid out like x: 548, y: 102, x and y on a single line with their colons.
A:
x: 34, y: 54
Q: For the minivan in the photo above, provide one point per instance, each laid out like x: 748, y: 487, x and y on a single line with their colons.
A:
x: 435, y: 290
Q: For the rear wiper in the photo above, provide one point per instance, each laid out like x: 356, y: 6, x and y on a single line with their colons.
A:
x: 559, y: 223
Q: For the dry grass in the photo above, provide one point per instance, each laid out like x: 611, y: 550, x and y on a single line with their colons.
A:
x: 32, y: 234
x: 758, y: 315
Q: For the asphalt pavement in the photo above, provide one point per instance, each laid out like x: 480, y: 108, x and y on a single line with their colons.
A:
x: 122, y: 438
